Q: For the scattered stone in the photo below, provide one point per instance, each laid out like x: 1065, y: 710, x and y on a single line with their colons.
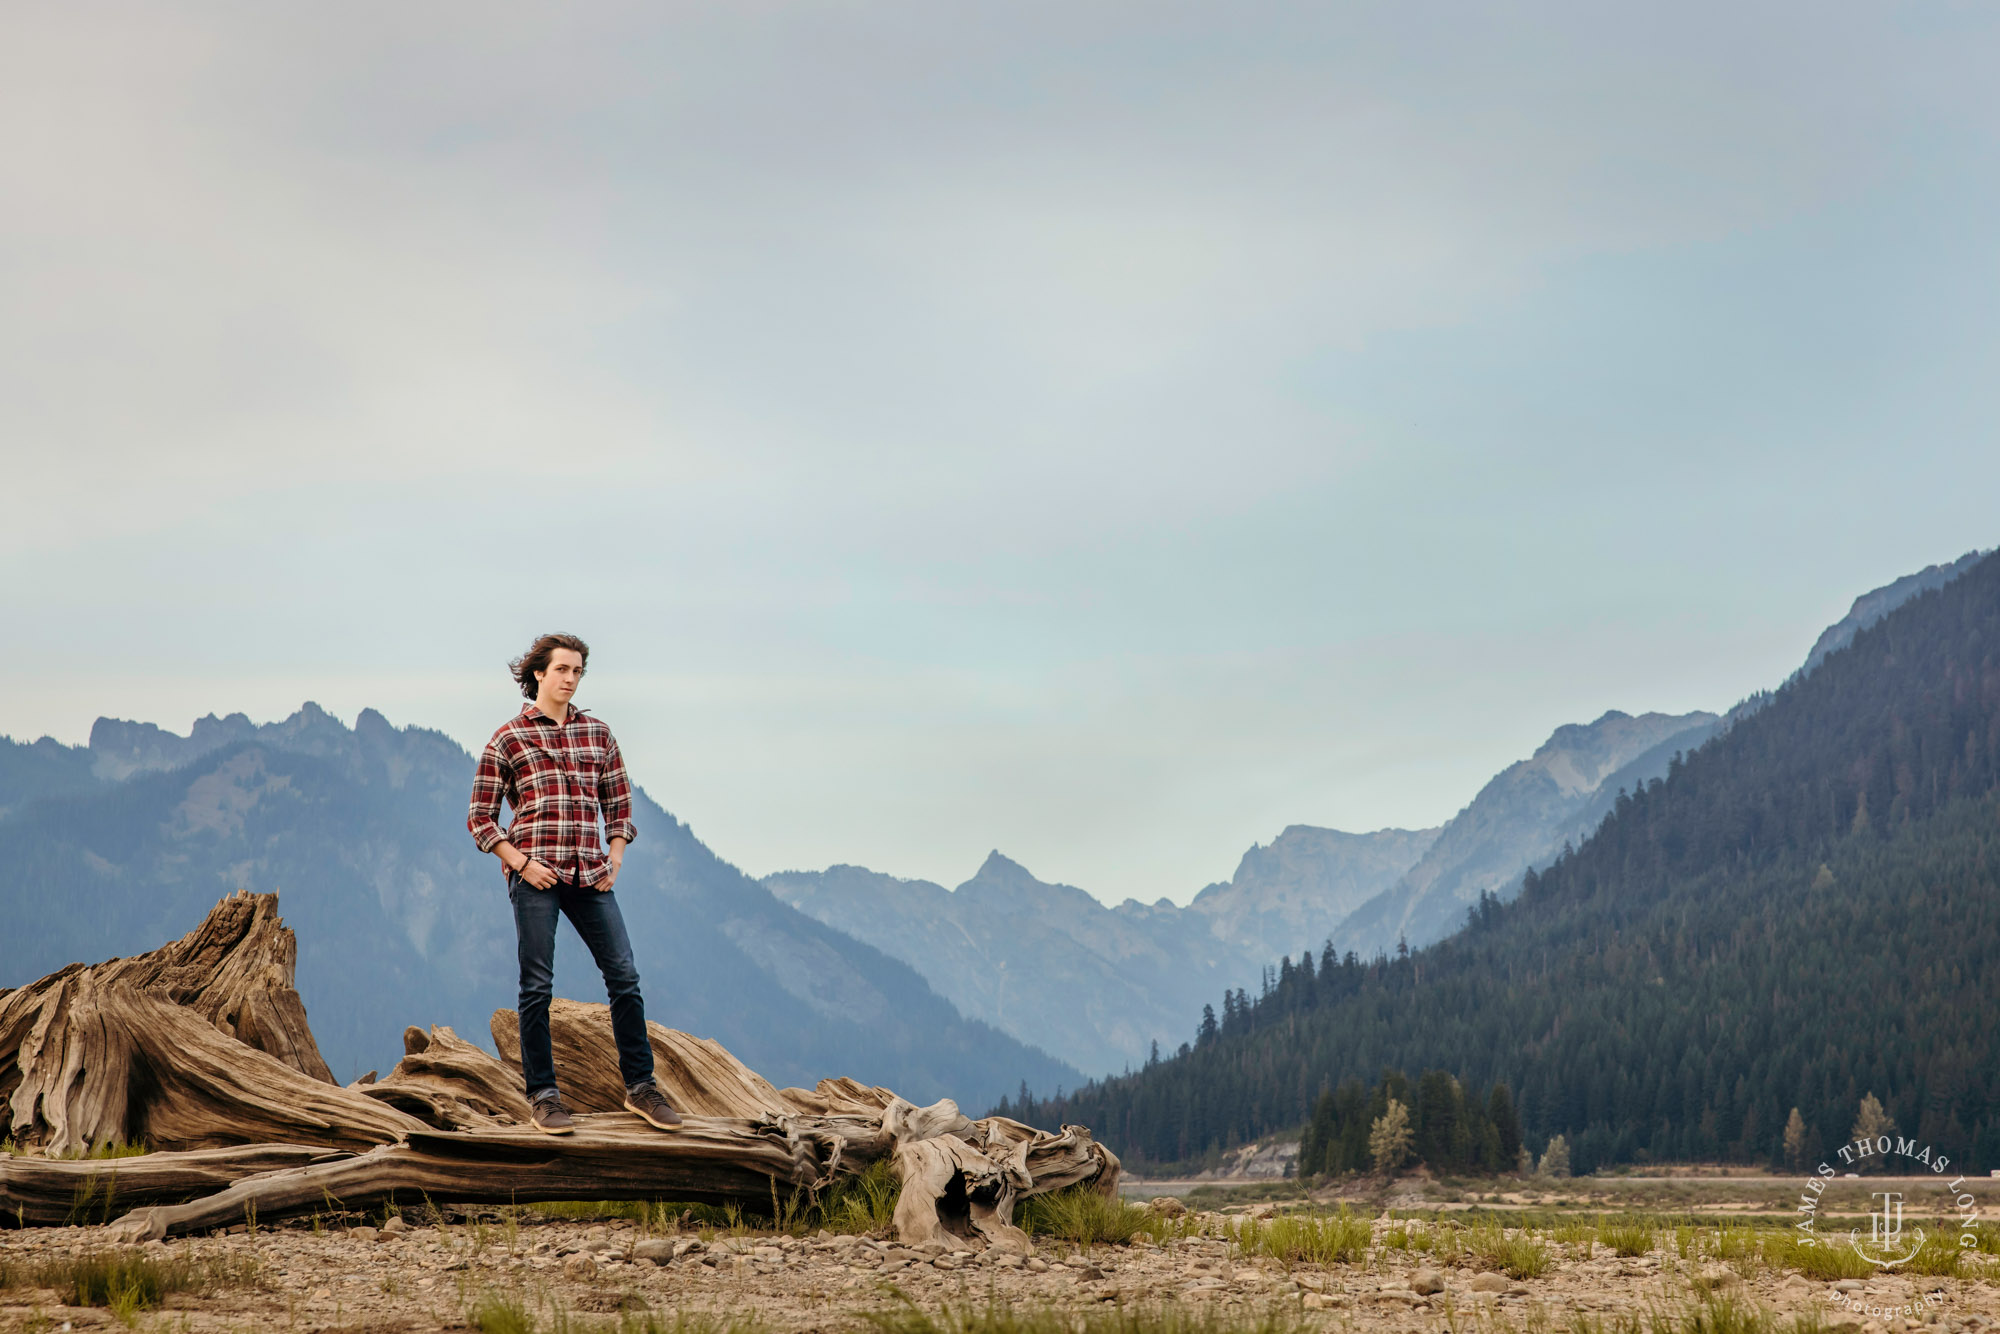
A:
x: 1167, y: 1206
x: 395, y: 1226
x: 363, y: 1233
x: 819, y: 1283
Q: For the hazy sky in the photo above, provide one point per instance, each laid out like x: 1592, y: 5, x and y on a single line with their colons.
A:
x: 1109, y: 433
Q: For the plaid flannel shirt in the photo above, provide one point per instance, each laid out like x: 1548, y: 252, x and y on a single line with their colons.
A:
x: 559, y: 778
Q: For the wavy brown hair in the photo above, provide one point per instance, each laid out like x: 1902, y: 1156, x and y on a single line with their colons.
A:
x: 536, y: 659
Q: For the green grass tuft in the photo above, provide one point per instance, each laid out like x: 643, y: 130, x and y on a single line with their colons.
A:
x: 126, y: 1281
x: 109, y: 1148
x: 1003, y: 1318
x: 501, y: 1313
x: 1518, y: 1255
x: 510, y: 1313
x: 864, y: 1203
x: 1825, y: 1260
x: 1080, y: 1214
x: 1938, y: 1257
x: 857, y: 1203
x: 1625, y: 1238
x: 1320, y: 1239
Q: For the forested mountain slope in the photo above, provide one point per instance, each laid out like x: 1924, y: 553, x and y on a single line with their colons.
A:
x: 1804, y: 910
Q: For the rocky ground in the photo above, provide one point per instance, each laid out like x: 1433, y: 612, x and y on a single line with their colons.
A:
x: 533, y: 1273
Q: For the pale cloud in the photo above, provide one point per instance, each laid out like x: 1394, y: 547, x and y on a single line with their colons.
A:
x: 1107, y: 432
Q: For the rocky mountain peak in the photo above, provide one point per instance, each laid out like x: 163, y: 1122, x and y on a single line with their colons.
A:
x: 1578, y: 757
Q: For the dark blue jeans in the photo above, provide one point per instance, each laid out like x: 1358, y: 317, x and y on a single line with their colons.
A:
x: 597, y: 919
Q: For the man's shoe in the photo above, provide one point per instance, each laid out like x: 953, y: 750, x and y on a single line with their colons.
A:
x: 551, y: 1117
x: 650, y: 1104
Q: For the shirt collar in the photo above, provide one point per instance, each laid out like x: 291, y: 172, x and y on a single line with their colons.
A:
x: 534, y: 714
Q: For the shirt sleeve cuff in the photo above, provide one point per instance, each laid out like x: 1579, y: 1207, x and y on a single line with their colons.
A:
x: 487, y: 837
x: 623, y: 829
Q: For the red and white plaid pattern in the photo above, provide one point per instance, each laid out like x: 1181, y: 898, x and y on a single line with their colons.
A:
x: 560, y: 778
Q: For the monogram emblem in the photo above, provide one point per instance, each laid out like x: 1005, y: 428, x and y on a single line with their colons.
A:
x: 1885, y: 1233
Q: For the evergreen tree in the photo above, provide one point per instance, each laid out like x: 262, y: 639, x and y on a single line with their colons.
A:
x: 1389, y: 1138
x: 1871, y: 1123
x: 1795, y: 1141
x: 1507, y: 1126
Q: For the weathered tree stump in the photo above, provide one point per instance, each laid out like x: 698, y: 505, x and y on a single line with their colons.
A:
x: 204, y: 1043
x: 200, y: 1043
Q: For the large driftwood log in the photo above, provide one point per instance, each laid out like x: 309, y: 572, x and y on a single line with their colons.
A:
x: 55, y: 1192
x: 199, y: 1043
x: 205, y: 1043
x: 610, y: 1157
x: 950, y: 1189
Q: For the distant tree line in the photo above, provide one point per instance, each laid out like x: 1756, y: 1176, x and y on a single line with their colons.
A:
x: 1438, y: 1122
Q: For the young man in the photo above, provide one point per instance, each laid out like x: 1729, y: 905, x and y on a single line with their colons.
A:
x: 561, y: 772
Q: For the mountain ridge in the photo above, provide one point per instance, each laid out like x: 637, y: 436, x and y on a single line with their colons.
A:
x: 400, y: 920
x: 1099, y: 984
x: 1516, y: 822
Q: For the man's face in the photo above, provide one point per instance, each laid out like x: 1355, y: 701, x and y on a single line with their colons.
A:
x: 564, y: 673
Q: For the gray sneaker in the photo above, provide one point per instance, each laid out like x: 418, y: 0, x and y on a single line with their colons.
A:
x: 551, y: 1117
x: 648, y: 1103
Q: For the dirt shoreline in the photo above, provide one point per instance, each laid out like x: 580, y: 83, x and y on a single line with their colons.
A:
x: 590, y: 1275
